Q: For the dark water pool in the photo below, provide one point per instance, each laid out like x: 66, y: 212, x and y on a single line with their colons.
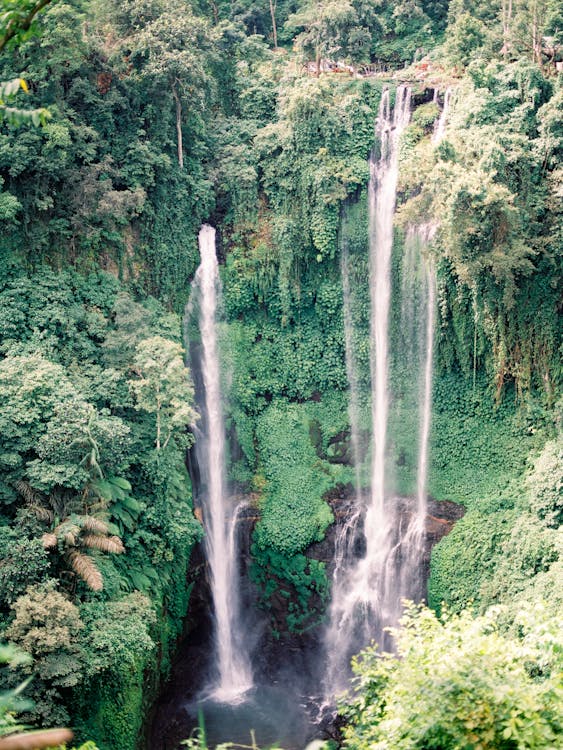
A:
x: 266, y: 716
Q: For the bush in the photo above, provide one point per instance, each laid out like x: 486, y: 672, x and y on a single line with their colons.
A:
x: 460, y: 683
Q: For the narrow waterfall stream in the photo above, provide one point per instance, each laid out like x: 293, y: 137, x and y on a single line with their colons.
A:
x: 378, y: 570
x: 418, y: 284
x: 234, y: 673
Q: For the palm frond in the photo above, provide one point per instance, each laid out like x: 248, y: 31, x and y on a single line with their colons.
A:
x: 103, y: 543
x: 49, y: 540
x: 30, y: 495
x: 86, y: 568
x: 96, y: 525
x: 42, y: 514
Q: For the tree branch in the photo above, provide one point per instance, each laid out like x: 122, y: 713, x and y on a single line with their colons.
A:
x: 15, y: 25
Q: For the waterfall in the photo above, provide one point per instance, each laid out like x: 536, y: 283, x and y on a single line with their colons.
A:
x: 363, y: 600
x: 428, y: 232
x: 351, y: 367
x: 419, y: 283
x: 337, y: 638
x: 382, y: 199
x: 234, y: 675
x: 440, y: 125
x: 425, y: 234
x: 418, y: 239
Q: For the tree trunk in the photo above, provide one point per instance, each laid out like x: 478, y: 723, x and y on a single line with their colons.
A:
x: 179, y: 126
x: 506, y: 26
x: 215, y: 12
x: 274, y: 27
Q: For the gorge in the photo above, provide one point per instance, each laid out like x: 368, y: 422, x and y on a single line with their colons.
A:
x: 280, y: 348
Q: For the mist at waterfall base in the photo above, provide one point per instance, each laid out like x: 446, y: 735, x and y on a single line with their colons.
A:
x: 377, y: 549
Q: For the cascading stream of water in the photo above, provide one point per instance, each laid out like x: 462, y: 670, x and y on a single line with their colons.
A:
x: 425, y: 233
x: 232, y: 660
x: 336, y: 649
x: 418, y: 239
x: 420, y: 281
x: 426, y: 410
x: 382, y: 200
x: 440, y: 125
x: 351, y: 368
x: 363, y: 602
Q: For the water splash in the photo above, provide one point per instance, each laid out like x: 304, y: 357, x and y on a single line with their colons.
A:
x: 234, y: 674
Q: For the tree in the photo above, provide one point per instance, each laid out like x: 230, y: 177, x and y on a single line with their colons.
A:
x: 332, y: 27
x: 47, y: 625
x: 16, y: 22
x: 168, y: 44
x: 163, y: 387
x: 76, y: 529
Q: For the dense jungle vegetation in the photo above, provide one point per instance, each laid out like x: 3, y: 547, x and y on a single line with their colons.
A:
x: 125, y: 124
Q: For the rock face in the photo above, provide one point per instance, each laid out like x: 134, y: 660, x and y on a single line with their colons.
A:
x: 441, y: 517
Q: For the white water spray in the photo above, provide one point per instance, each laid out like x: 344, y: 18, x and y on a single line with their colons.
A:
x: 232, y: 660
x: 382, y: 200
x: 337, y: 646
x: 417, y: 241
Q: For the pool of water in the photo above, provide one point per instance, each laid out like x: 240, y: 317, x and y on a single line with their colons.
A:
x: 266, y: 716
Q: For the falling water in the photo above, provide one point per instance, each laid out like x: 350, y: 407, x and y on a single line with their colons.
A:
x: 426, y: 410
x: 379, y: 521
x: 232, y: 661
x: 440, y: 125
x: 362, y: 601
x: 337, y: 647
x: 418, y: 239
x: 425, y: 233
x: 351, y: 366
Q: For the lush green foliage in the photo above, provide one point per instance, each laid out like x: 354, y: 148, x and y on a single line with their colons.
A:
x: 80, y: 460
x: 461, y: 683
x: 164, y: 114
x: 507, y: 554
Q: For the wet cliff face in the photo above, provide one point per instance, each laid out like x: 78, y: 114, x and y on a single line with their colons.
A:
x: 440, y: 519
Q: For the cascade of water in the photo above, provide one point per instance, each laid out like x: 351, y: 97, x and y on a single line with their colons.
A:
x: 336, y: 641
x: 440, y: 125
x: 418, y: 239
x: 380, y: 519
x: 362, y: 601
x: 351, y: 367
x: 232, y: 661
x: 425, y: 233
x: 426, y: 404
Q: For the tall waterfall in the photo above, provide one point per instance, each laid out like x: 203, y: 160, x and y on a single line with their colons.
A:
x: 363, y: 600
x: 418, y: 239
x: 425, y: 234
x: 339, y: 634
x: 382, y: 200
x: 234, y: 675
x: 419, y: 283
